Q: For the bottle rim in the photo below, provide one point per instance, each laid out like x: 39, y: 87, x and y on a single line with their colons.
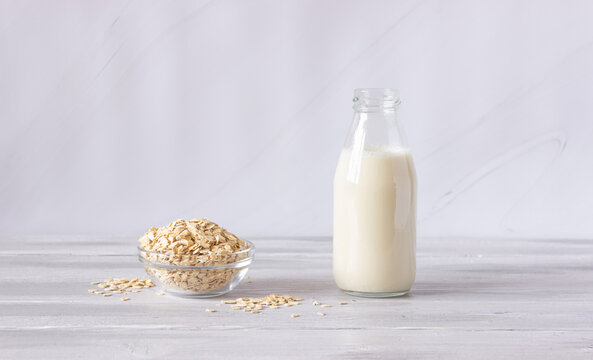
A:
x: 374, y: 99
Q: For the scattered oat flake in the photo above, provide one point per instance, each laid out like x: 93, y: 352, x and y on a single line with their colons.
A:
x: 326, y: 305
x: 160, y: 293
x: 273, y: 301
x: 294, y: 315
x: 125, y: 299
x: 91, y: 291
x: 118, y: 286
x: 249, y: 281
x: 315, y: 303
x: 343, y: 302
x: 106, y: 295
x: 321, y: 314
x: 210, y: 310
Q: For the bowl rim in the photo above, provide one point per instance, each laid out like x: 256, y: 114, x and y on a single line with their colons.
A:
x: 243, y: 262
x: 238, y: 264
x: 251, y: 247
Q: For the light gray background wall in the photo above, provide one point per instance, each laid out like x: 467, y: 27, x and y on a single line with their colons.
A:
x: 119, y: 115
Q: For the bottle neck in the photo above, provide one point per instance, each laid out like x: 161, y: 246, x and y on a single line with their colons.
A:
x: 375, y: 123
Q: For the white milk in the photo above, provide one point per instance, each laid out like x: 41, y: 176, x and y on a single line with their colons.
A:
x: 375, y: 221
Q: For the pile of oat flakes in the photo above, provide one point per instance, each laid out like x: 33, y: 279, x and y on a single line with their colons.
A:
x: 192, y: 237
x: 192, y: 243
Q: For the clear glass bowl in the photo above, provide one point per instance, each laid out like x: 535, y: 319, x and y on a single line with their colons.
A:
x: 197, y: 276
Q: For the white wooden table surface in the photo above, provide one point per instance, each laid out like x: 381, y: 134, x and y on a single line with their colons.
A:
x: 473, y: 299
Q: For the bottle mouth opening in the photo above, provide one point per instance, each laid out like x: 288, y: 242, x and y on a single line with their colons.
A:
x: 373, y: 99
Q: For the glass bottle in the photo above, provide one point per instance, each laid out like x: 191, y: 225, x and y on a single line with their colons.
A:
x: 374, y: 243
